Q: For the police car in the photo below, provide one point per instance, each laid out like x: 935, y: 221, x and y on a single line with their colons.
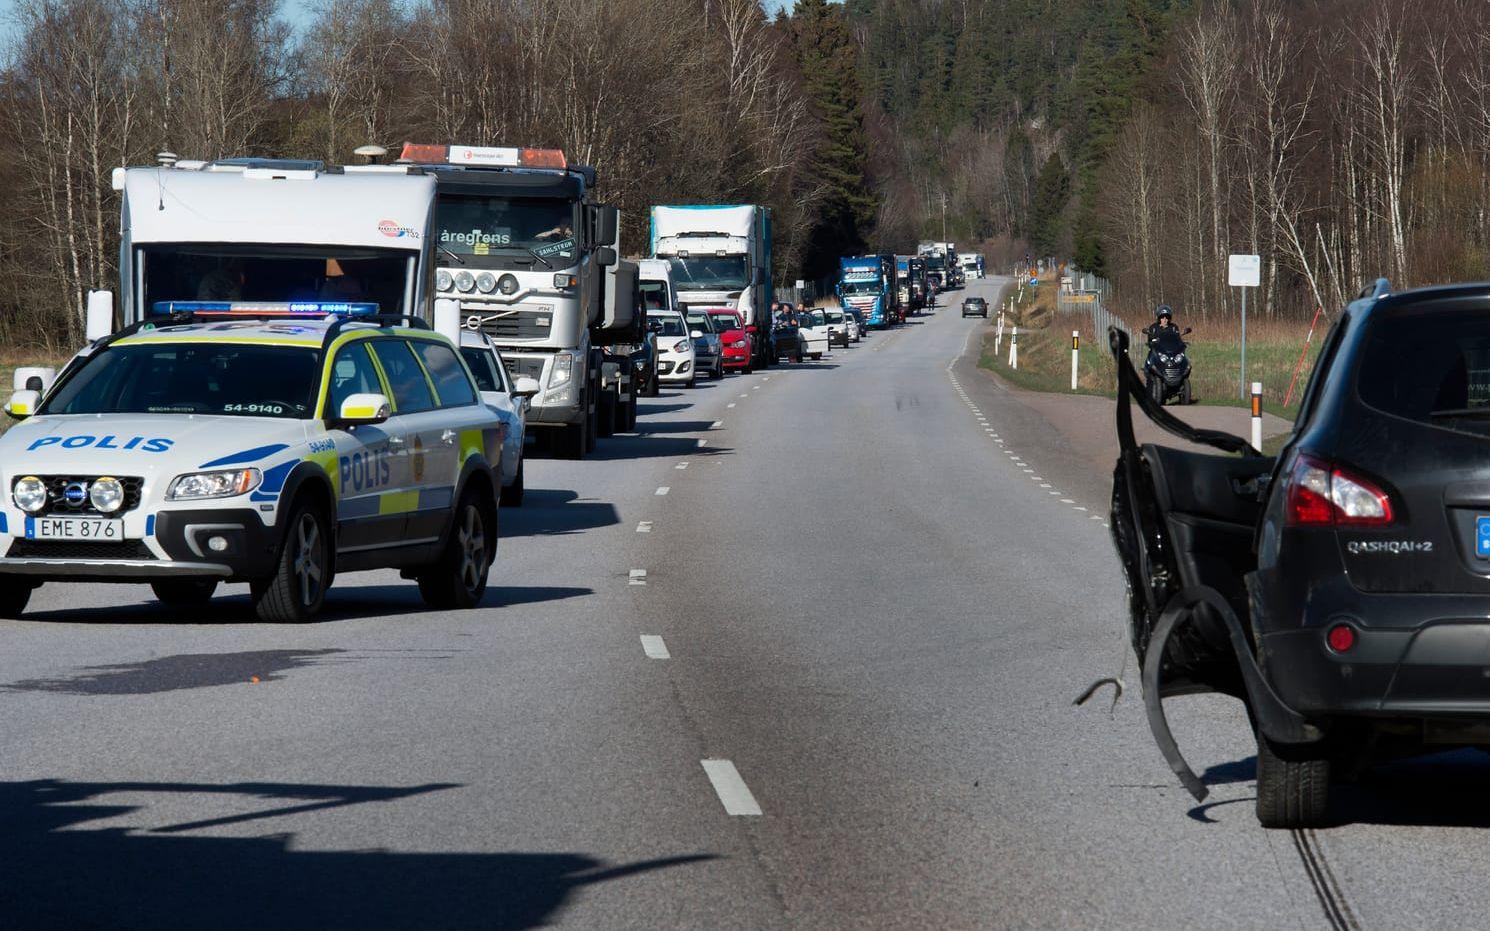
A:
x: 252, y: 443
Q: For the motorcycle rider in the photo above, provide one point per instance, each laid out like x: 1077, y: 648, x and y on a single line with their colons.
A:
x: 1163, y: 320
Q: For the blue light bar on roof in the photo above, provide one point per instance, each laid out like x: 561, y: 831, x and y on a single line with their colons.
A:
x: 266, y: 308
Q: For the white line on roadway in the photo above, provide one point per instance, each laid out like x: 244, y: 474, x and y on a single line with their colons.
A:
x: 730, y: 788
x: 730, y: 404
x: 716, y: 425
x: 664, y: 489
x: 644, y: 527
x: 702, y: 443
x: 638, y: 577
x: 681, y: 465
x: 654, y: 647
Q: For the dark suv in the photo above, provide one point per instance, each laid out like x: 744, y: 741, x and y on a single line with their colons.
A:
x: 1342, y: 590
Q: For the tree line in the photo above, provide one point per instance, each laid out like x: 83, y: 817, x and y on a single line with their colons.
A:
x: 674, y: 101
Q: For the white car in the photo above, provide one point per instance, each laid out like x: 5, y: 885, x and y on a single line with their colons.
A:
x: 818, y: 335
x: 675, y: 353
x: 842, y: 328
x: 509, y: 398
x: 253, y: 445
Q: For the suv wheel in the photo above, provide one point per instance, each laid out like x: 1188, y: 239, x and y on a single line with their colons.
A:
x: 458, y: 578
x: 297, y: 590
x: 1293, y: 785
x: 184, y: 593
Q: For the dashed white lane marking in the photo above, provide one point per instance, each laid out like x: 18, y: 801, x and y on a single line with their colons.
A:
x: 644, y: 527
x: 767, y: 378
x: 663, y: 489
x: 1096, y: 517
x: 746, y: 395
x: 1069, y: 501
x: 1044, y: 485
x: 731, y: 789
x: 730, y: 404
x: 680, y: 466
x: 702, y: 443
x: 716, y: 425
x: 637, y: 577
x: 755, y: 387
x: 654, y: 647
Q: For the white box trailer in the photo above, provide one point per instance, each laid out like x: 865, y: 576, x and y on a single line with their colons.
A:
x: 720, y: 256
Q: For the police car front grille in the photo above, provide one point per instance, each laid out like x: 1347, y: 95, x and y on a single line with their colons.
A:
x: 57, y: 494
x: 68, y: 549
x: 500, y: 324
x: 518, y: 366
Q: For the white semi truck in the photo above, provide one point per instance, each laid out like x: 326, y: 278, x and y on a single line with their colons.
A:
x: 525, y: 250
x: 720, y: 256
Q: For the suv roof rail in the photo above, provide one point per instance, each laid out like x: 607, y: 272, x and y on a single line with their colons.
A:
x: 380, y: 320
x: 1381, y: 287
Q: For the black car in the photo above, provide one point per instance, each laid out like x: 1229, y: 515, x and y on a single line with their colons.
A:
x: 1341, y: 589
x: 974, y: 307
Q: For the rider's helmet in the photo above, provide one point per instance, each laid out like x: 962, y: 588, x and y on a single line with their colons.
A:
x: 1163, y: 313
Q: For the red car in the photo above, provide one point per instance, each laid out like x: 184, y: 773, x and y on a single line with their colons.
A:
x: 738, y: 344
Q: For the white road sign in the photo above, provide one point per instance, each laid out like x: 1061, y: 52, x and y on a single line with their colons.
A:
x: 1245, y: 271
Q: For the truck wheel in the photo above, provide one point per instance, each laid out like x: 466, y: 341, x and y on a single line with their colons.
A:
x: 1293, y: 785
x: 569, y: 440
x: 297, y: 590
x: 458, y: 578
x: 592, y: 426
x: 184, y: 593
x: 512, y: 495
x: 14, y: 594
x: 605, y: 417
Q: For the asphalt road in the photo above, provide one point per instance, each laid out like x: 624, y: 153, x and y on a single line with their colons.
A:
x: 875, y: 615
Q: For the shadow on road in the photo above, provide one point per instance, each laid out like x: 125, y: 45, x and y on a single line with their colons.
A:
x: 58, y: 875
x: 551, y: 511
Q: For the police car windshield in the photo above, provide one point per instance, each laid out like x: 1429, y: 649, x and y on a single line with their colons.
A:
x: 278, y: 273
x: 486, y: 230
x: 229, y: 379
x: 710, y: 273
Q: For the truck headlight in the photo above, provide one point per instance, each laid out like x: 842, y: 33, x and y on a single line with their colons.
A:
x: 225, y: 484
x: 465, y: 282
x: 106, y: 494
x: 486, y: 282
x: 443, y: 281
x: 29, y: 493
x: 562, y: 371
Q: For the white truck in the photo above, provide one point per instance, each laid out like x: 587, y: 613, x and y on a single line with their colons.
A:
x: 972, y: 264
x: 525, y: 250
x: 720, y: 257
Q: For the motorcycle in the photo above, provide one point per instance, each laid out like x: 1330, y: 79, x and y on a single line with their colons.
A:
x: 1166, y: 371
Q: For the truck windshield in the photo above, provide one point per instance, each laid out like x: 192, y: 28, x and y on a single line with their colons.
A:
x: 861, y: 287
x: 710, y: 272
x: 231, y: 379
x: 486, y: 229
x: 654, y: 295
x: 194, y: 272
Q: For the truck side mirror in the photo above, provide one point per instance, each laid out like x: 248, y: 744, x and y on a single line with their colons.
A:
x: 607, y: 224
x: 34, y: 378
x: 100, y: 319
x: 605, y: 256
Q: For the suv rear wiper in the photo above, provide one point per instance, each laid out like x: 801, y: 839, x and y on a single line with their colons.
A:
x: 1468, y: 413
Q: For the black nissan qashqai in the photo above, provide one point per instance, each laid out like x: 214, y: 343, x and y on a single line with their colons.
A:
x: 1341, y: 589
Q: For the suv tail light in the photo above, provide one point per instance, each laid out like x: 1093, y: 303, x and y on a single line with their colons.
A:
x: 1321, y: 494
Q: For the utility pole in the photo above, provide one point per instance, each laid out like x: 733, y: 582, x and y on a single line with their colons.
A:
x: 944, y: 216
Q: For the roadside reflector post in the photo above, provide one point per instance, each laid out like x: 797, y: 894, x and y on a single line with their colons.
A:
x: 1075, y: 349
x: 998, y: 335
x: 1014, y: 348
x: 1257, y: 416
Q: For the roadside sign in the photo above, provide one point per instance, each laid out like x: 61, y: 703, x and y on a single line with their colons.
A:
x: 801, y: 285
x: 1244, y: 271
x: 1034, y: 282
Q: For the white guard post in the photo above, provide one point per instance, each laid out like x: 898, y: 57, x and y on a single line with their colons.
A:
x: 1014, y: 349
x: 1075, y: 349
x: 1257, y: 416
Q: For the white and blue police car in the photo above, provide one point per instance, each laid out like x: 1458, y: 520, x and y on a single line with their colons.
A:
x: 275, y: 444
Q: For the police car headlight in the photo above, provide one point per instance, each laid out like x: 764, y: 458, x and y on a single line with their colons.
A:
x: 29, y: 494
x: 106, y: 494
x: 225, y: 484
x: 486, y: 282
x: 443, y: 281
x: 464, y: 282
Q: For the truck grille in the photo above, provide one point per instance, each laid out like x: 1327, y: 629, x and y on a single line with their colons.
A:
x: 509, y: 323
x: 68, y: 549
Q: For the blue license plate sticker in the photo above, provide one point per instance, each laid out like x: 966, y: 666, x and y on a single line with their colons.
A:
x: 1482, y: 537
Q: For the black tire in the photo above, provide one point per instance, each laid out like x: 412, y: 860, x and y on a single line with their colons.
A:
x: 15, y: 593
x: 592, y: 430
x: 458, y: 578
x: 717, y: 372
x: 184, y: 593
x: 817, y: 356
x: 1156, y: 390
x: 1185, y: 397
x: 605, y: 416
x: 1293, y: 785
x: 569, y: 440
x: 512, y: 495
x: 302, y: 571
x: 628, y: 415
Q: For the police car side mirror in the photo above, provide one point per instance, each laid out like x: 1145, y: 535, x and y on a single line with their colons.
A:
x: 23, y: 404
x: 524, y: 387
x: 364, y: 409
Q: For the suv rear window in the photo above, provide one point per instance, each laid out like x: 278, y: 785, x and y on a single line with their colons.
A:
x: 1430, y: 367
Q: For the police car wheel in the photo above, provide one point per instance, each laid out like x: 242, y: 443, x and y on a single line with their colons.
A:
x: 458, y: 580
x: 298, y: 588
x: 14, y: 594
x: 184, y: 592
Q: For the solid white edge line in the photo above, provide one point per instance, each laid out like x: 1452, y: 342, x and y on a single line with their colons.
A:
x: 654, y: 647
x: 731, y: 789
